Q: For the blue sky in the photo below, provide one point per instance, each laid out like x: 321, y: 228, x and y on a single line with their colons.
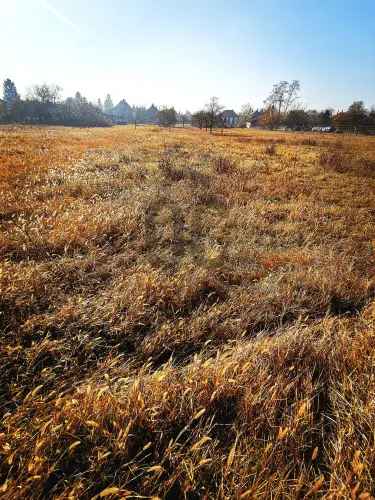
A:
x: 182, y: 52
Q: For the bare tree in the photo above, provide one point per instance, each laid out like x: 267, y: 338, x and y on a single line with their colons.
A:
x: 284, y: 95
x: 55, y: 92
x: 45, y: 93
x: 213, y: 109
x: 167, y: 117
x: 245, y: 115
x: 200, y: 119
x: 183, y: 118
x: 281, y: 100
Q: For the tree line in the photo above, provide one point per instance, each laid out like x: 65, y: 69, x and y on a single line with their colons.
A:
x: 282, y: 110
x: 44, y: 104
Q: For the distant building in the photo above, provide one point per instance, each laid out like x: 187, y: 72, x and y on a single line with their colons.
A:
x: 123, y: 113
x: 256, y: 119
x: 229, y: 118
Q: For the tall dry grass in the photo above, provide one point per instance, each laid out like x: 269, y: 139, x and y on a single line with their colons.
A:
x: 185, y: 315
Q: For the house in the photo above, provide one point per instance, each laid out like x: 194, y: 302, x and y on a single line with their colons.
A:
x: 123, y: 113
x: 229, y: 118
x: 256, y: 119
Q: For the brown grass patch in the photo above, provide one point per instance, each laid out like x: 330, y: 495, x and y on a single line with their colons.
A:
x: 186, y: 315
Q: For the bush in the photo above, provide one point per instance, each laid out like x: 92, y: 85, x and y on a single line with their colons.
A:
x: 270, y: 149
x: 223, y: 165
x: 334, y: 160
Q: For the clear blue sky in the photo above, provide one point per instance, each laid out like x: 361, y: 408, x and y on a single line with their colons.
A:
x: 182, y: 52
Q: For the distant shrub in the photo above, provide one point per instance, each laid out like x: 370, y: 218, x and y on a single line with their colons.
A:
x: 223, y: 165
x: 369, y: 165
x: 342, y: 162
x: 168, y: 169
x: 334, y: 160
x: 270, y: 149
x: 197, y: 178
x: 125, y: 158
x: 309, y: 142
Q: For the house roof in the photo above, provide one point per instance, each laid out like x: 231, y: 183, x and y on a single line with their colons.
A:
x: 121, y: 107
x: 229, y: 113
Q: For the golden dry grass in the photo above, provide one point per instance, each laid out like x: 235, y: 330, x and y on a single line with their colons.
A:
x: 186, y: 315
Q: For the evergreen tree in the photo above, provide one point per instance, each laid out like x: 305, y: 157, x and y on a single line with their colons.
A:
x: 10, y: 95
x: 326, y: 118
x: 108, y: 104
x: 297, y: 119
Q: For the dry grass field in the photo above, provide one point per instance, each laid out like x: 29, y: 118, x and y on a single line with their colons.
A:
x: 186, y: 315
